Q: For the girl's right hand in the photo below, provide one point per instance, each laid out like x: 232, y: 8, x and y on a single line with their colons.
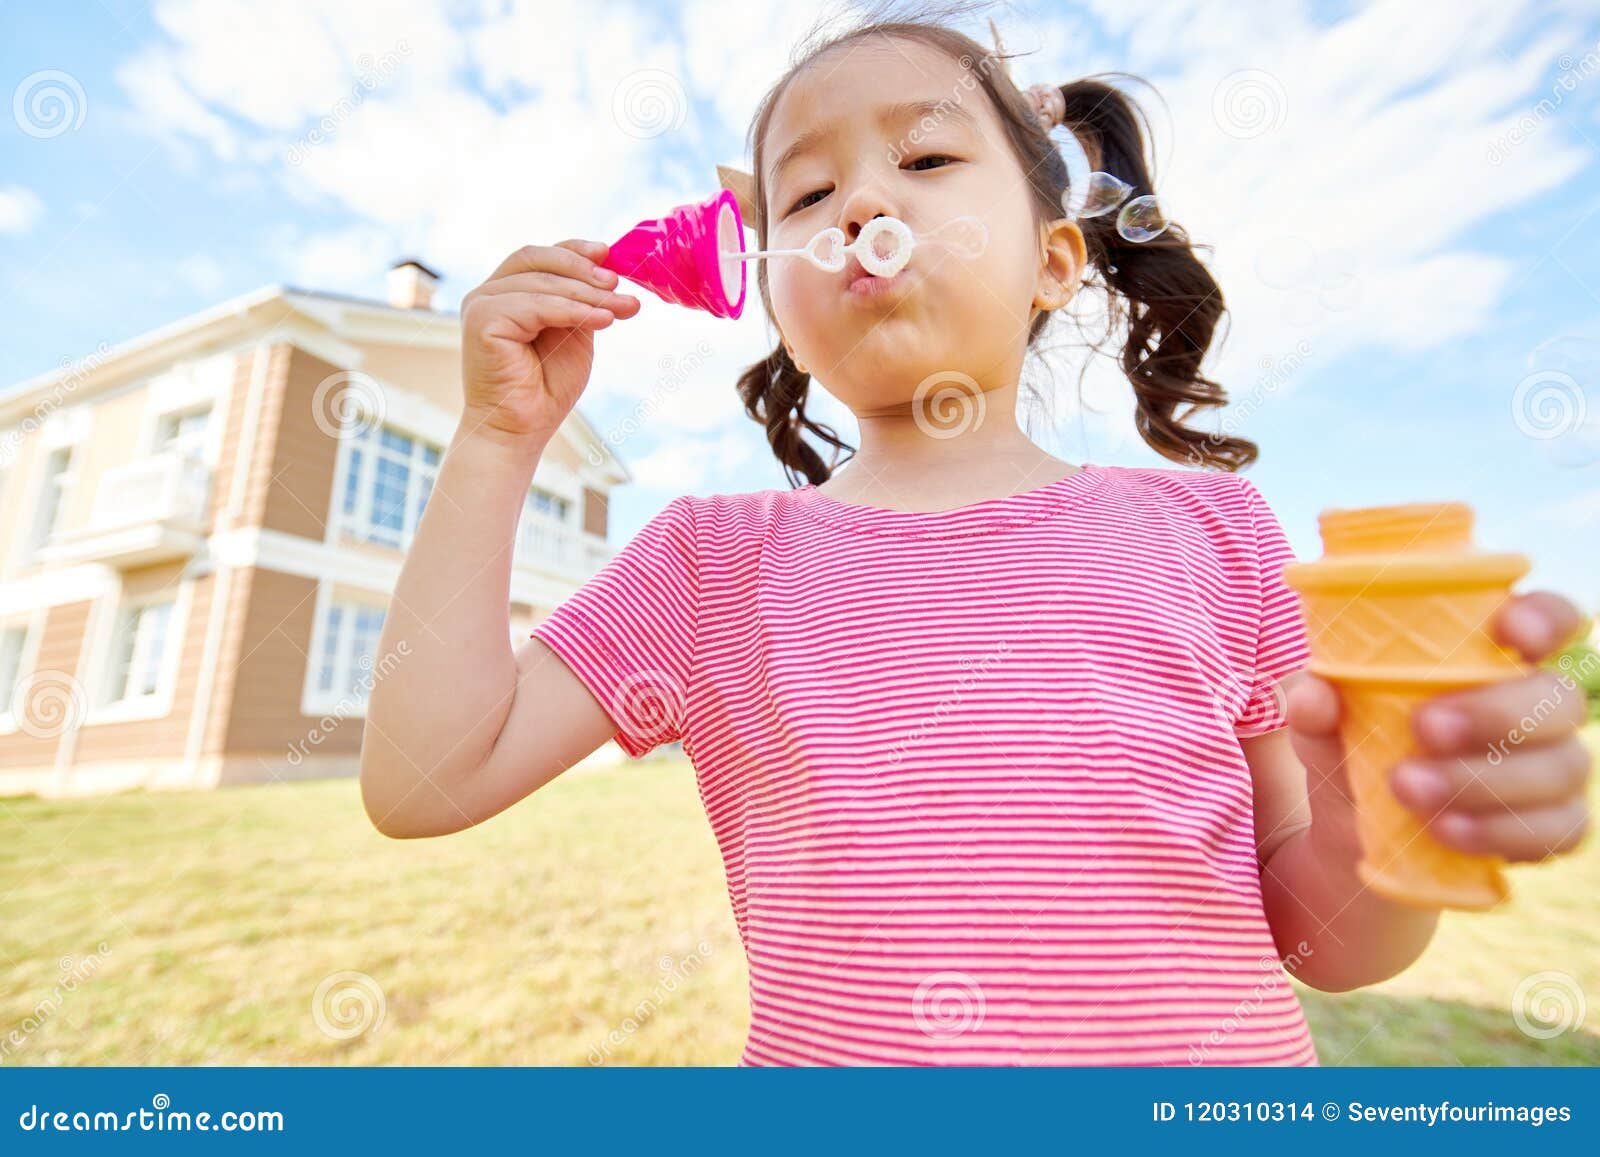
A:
x: 527, y: 335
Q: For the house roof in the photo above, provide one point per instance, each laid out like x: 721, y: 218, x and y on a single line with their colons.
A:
x: 327, y: 324
x: 428, y: 269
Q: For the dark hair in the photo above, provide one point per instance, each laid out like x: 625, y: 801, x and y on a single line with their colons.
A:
x: 1172, y: 303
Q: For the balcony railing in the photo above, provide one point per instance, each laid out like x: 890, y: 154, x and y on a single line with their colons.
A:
x: 150, y: 510
x: 545, y: 545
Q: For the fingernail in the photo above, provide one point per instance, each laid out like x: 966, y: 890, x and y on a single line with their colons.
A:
x: 1458, y: 829
x: 1533, y: 626
x: 1420, y: 783
x: 1446, y: 728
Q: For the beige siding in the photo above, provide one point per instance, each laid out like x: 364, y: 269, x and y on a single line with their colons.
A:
x: 433, y: 374
x: 57, y: 668
x: 595, y: 511
x: 290, y: 479
x: 111, y: 442
x: 275, y: 643
x: 16, y: 467
x: 163, y: 737
x: 235, y: 411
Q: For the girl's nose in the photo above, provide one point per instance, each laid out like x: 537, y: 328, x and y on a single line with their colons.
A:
x: 854, y: 225
x: 867, y: 200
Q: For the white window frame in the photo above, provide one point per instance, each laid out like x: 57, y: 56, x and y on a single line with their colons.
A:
x: 35, y: 535
x: 27, y: 659
x: 530, y: 505
x: 158, y: 703
x: 197, y: 448
x: 189, y: 387
x: 339, y: 700
x: 365, y: 437
x: 148, y: 638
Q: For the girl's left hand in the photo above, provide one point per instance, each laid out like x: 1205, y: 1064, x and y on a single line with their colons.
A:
x: 1501, y: 769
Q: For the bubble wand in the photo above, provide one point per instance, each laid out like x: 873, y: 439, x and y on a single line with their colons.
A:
x: 883, y: 247
x: 695, y: 255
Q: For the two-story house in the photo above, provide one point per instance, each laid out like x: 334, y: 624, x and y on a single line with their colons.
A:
x: 200, y: 530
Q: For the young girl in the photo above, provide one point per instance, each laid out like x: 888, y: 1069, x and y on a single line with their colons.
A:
x: 993, y: 745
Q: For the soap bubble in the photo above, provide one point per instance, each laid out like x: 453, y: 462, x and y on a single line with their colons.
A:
x: 1141, y: 219
x: 1100, y: 194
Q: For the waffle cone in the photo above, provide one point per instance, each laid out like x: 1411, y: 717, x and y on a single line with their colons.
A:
x: 1397, y: 611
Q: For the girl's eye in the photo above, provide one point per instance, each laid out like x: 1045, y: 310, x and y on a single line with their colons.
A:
x: 806, y: 201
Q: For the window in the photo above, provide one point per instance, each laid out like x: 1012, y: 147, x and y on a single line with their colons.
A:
x: 183, y: 433
x: 12, y: 640
x: 541, y: 502
x: 388, y: 479
x: 350, y: 632
x: 138, y: 652
x: 543, y: 536
x: 52, y: 489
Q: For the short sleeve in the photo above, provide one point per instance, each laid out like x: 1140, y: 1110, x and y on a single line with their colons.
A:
x: 1282, y: 645
x: 629, y: 632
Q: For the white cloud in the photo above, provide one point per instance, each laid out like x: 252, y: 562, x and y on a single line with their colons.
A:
x: 19, y: 209
x: 1363, y: 220
x: 354, y: 260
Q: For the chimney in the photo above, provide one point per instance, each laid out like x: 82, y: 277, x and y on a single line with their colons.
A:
x: 411, y: 284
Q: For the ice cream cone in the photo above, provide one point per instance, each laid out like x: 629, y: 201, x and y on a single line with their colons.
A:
x: 1398, y: 610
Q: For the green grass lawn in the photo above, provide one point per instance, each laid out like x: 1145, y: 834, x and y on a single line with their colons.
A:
x: 587, y: 923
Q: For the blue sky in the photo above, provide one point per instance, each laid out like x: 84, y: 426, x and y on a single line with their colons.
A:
x: 1402, y: 200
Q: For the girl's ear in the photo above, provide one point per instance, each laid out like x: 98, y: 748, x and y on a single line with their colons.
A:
x: 744, y: 191
x: 1065, y: 256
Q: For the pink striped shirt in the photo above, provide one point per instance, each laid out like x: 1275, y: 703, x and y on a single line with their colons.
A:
x: 975, y: 773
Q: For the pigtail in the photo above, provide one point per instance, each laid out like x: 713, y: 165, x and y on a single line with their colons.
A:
x: 774, y: 393
x: 1158, y: 289
x: 1170, y: 302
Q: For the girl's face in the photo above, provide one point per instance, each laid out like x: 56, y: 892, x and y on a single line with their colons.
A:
x: 899, y: 128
